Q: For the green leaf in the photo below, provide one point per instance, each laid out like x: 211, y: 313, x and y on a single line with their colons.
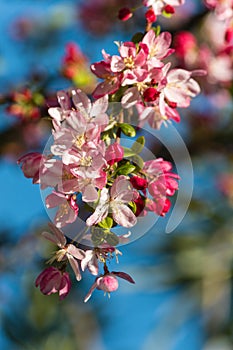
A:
x: 128, y: 152
x: 106, y: 223
x: 126, y: 169
x: 112, y: 238
x: 167, y: 15
x: 127, y: 129
x: 137, y: 160
x: 137, y: 37
x: 98, y: 236
x: 138, y: 145
x: 133, y: 207
x: 157, y: 30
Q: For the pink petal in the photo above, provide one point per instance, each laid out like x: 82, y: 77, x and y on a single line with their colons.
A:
x: 89, y: 294
x: 63, y: 100
x: 123, y: 215
x: 81, y: 101
x: 108, y: 87
x: 58, y: 234
x: 75, y: 267
x: 89, y: 194
x: 130, y: 97
x: 75, y: 252
x: 117, y: 64
x: 65, y: 286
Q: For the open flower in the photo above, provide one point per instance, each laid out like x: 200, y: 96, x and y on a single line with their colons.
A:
x: 67, y: 207
x: 121, y: 194
x: 52, y: 280
x: 66, y: 251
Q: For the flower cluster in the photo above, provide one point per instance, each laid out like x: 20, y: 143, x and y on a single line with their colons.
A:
x: 140, y: 78
x: 85, y: 167
x: 93, y: 174
x: 57, y: 279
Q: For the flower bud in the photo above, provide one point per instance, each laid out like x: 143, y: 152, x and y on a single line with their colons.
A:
x: 51, y: 280
x: 107, y: 283
x: 169, y: 9
x: 150, y: 16
x: 125, y: 14
x: 151, y: 94
x: 138, y: 182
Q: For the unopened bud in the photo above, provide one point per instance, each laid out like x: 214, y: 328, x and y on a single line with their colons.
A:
x: 124, y: 14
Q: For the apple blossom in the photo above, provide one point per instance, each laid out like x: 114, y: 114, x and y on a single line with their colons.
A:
x: 52, y: 280
x: 67, y: 251
x: 115, y: 202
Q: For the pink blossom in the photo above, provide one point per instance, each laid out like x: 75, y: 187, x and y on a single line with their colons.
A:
x: 76, y: 127
x: 67, y: 208
x: 115, y: 202
x: 154, y: 116
x: 91, y: 262
x: 31, y: 164
x: 51, y: 280
x: 114, y: 153
x: 160, y: 206
x: 160, y: 177
x: 89, y: 158
x: 161, y: 183
x: 108, y: 283
x: 179, y: 87
x: 131, y: 62
x: 66, y: 251
x: 112, y: 80
x: 159, y: 46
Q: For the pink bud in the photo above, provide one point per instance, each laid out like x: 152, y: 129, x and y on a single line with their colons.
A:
x: 52, y: 280
x: 107, y: 283
x: 138, y: 182
x: 125, y: 14
x: 114, y: 153
x: 151, y: 94
x: 150, y: 16
x: 140, y: 205
x: 169, y: 9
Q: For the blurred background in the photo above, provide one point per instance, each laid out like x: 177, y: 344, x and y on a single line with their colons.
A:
x: 182, y: 298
